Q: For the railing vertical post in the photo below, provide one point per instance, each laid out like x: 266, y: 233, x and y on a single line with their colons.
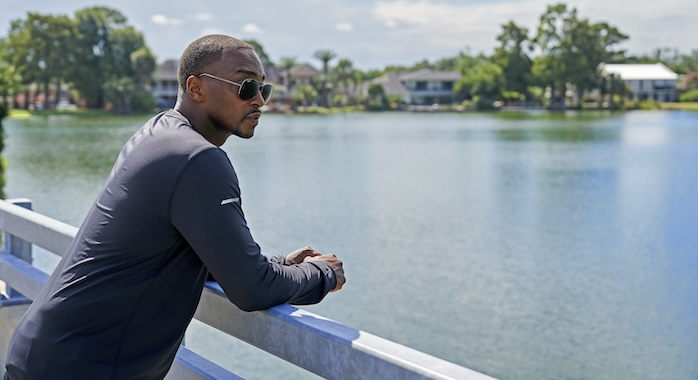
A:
x: 20, y: 248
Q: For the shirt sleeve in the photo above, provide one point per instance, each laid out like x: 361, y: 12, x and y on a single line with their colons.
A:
x: 206, y: 210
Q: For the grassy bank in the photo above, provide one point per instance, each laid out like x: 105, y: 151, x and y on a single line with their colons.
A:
x: 21, y: 114
x: 683, y: 106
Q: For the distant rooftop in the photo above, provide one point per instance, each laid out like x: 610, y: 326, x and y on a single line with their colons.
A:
x: 428, y: 74
x: 166, y: 70
x: 655, y: 71
x: 392, y: 84
x: 304, y: 70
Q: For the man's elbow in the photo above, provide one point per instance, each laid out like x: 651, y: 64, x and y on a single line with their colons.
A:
x: 253, y: 304
x: 249, y: 307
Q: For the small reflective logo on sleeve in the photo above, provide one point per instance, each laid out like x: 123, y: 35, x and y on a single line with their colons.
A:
x: 230, y: 200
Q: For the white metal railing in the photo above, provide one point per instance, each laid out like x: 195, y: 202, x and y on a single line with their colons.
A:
x: 322, y: 346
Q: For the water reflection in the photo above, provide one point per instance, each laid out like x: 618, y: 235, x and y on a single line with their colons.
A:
x: 526, y: 246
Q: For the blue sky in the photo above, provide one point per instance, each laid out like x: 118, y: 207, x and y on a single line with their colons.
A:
x: 371, y: 33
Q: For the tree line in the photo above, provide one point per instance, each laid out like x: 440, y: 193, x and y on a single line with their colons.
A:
x: 561, y: 55
x: 104, y: 60
x: 97, y: 53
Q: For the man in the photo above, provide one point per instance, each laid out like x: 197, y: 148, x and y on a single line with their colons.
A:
x: 117, y: 305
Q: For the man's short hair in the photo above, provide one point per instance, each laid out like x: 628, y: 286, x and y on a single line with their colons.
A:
x: 203, y: 52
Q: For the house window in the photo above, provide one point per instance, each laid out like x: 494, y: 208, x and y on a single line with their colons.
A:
x: 640, y: 85
x: 447, y: 85
x: 421, y: 85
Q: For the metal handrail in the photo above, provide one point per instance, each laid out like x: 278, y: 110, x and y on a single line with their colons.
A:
x: 305, y: 339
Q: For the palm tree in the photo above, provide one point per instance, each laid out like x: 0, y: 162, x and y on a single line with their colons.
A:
x: 305, y: 94
x: 343, y: 73
x: 358, y: 77
x: 325, y: 56
x: 287, y: 64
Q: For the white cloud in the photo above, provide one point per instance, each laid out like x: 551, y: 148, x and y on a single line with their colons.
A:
x: 203, y: 17
x: 344, y: 27
x: 452, y: 26
x: 455, y: 25
x: 251, y: 28
x: 164, y: 20
x: 650, y: 25
x: 159, y: 19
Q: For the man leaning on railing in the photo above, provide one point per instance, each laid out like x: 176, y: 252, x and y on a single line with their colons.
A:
x: 170, y: 214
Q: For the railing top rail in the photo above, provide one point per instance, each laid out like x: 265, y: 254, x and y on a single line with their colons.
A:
x: 41, y: 230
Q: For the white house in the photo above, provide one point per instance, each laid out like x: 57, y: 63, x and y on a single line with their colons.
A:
x: 428, y: 86
x: 648, y: 81
x: 421, y: 87
x: 164, y: 84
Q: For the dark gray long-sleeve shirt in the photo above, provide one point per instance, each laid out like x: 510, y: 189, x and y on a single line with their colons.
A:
x: 117, y: 305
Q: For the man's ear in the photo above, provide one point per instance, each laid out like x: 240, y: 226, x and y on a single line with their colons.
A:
x: 195, y: 89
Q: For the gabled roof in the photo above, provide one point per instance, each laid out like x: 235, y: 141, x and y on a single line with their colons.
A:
x: 304, y: 70
x: 431, y: 75
x: 392, y: 84
x: 654, y: 71
x: 166, y: 70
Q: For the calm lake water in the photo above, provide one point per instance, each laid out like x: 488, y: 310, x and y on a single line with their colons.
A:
x: 524, y: 246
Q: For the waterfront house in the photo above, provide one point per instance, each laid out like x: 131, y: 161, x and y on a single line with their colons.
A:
x: 301, y: 74
x: 647, y: 81
x: 421, y: 87
x: 428, y: 86
x: 164, y: 84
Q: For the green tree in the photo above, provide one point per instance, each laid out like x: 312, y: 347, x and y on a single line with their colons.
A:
x: 120, y: 91
x: 100, y: 60
x: 127, y: 92
x: 550, y: 68
x: 287, y: 64
x: 3, y: 162
x: 376, y: 97
x: 689, y: 96
x: 143, y: 63
x: 325, y: 56
x: 547, y: 73
x: 95, y: 51
x: 342, y: 75
x: 133, y: 64
x: 263, y: 56
x: 358, y: 78
x: 664, y: 55
x: 594, y: 43
x: 305, y: 94
x: 483, y: 83
x: 447, y: 64
x: 467, y: 64
x: 466, y: 61
x: 41, y: 48
x: 571, y: 50
x: 687, y: 63
x: 512, y: 58
x: 10, y: 80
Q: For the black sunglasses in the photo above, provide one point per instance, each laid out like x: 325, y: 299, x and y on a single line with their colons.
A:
x: 248, y: 88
